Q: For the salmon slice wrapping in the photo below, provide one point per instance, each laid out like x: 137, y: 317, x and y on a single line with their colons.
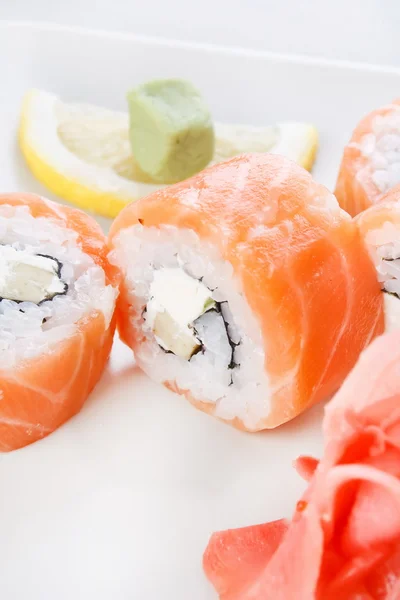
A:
x: 246, y: 289
x: 370, y: 164
x: 57, y: 302
x: 343, y: 542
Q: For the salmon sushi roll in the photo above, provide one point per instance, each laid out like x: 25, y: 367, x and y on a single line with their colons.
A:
x: 371, y: 160
x: 246, y: 289
x: 57, y: 302
x: 380, y: 228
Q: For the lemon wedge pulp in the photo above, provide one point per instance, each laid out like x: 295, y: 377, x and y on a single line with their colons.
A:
x: 82, y: 153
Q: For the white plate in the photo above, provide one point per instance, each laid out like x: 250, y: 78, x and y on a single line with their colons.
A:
x: 119, y: 503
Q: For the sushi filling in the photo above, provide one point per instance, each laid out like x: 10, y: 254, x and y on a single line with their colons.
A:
x: 190, y: 324
x: 184, y: 316
x: 27, y: 277
x: 384, y: 248
x: 385, y: 252
x: 47, y: 285
x: 389, y: 271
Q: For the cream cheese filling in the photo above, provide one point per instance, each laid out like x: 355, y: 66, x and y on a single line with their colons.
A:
x: 27, y: 277
x: 176, y: 301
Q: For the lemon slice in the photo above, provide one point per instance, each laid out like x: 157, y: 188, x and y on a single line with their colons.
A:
x: 82, y: 153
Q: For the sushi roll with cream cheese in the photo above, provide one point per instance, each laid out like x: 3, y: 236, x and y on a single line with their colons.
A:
x: 246, y: 289
x: 57, y: 300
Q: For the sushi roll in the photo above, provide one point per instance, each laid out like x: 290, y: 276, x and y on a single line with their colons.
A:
x: 371, y: 160
x: 380, y: 228
x: 57, y: 302
x: 246, y: 289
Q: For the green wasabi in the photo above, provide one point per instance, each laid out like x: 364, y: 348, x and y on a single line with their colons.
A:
x: 171, y: 130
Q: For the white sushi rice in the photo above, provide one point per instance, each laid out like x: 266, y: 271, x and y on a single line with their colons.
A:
x: 382, y: 148
x: 28, y: 329
x: 242, y: 391
x: 384, y: 248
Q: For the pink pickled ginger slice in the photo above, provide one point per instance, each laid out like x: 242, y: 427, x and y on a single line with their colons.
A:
x: 343, y: 542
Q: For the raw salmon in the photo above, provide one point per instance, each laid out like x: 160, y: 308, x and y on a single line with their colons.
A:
x: 245, y: 288
x: 54, y: 340
x: 371, y: 160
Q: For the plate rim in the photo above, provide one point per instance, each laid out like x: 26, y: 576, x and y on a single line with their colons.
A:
x: 240, y: 51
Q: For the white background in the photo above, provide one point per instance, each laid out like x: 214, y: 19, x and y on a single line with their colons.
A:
x: 360, y: 30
